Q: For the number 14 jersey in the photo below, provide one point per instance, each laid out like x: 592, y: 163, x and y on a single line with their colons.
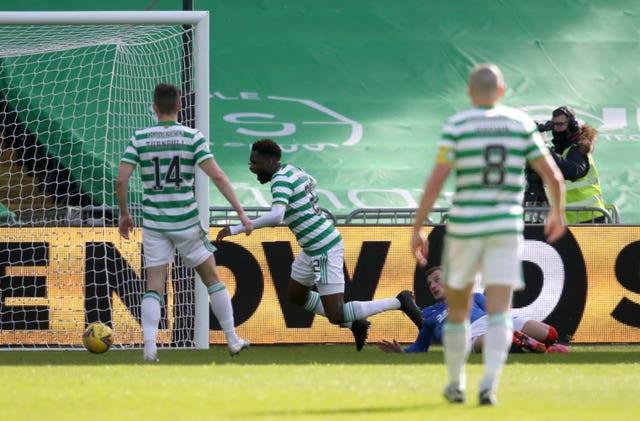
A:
x: 168, y: 154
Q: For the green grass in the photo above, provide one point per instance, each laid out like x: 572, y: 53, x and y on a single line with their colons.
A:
x: 311, y: 382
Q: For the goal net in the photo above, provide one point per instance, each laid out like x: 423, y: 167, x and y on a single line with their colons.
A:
x: 73, y: 88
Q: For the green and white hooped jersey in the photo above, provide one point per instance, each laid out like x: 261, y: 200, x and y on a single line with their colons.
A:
x: 488, y: 149
x: 168, y: 154
x: 295, y: 189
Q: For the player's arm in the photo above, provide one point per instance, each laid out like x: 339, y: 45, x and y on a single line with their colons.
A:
x: 432, y: 189
x: 274, y: 217
x: 220, y: 179
x: 552, y: 178
x: 480, y: 300
x: 423, y: 341
x: 125, y: 222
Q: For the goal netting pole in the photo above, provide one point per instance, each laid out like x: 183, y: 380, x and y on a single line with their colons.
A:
x: 73, y: 88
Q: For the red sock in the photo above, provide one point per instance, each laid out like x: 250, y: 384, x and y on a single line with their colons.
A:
x: 552, y: 336
x: 516, y: 337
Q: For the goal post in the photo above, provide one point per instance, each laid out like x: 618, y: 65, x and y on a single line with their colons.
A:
x: 73, y: 88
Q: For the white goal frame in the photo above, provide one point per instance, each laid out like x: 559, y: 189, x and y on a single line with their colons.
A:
x: 200, y: 23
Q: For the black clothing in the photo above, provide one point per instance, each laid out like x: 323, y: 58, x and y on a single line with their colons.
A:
x: 576, y: 164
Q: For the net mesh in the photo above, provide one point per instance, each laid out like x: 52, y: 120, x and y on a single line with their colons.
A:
x: 71, y: 97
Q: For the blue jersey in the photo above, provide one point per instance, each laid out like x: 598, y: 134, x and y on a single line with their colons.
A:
x: 434, y: 317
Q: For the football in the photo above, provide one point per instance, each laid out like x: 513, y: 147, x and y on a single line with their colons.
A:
x: 97, y: 338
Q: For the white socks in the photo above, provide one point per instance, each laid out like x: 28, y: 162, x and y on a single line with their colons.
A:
x: 353, y: 310
x: 314, y: 304
x: 357, y: 310
x: 497, y: 342
x: 456, y: 340
x: 221, y: 306
x: 151, y: 303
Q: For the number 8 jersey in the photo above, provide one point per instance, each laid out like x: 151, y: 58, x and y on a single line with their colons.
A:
x: 168, y: 154
x: 488, y: 148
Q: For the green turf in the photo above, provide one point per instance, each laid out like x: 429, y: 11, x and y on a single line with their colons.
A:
x: 311, y: 382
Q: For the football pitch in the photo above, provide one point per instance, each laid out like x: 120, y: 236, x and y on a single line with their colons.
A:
x: 311, y: 382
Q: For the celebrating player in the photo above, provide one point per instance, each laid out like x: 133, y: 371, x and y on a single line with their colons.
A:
x: 320, y: 263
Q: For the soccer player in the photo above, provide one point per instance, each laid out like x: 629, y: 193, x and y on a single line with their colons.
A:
x: 488, y: 147
x: 529, y: 335
x: 168, y: 154
x: 320, y: 263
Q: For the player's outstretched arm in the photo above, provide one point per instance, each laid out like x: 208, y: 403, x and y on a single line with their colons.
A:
x: 220, y: 179
x: 270, y: 219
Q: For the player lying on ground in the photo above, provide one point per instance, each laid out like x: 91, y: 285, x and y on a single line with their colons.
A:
x: 528, y: 336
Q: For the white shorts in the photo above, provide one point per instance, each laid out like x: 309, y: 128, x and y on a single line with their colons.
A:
x: 480, y: 326
x: 324, y: 270
x: 497, y: 258
x: 193, y: 245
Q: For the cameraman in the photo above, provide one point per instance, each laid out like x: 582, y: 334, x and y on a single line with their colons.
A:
x: 572, y: 150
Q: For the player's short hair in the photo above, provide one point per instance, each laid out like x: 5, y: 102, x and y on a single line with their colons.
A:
x: 267, y: 147
x: 431, y: 270
x: 485, y: 80
x: 166, y: 97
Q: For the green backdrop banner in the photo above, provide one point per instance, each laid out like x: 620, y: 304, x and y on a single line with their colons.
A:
x: 357, y: 92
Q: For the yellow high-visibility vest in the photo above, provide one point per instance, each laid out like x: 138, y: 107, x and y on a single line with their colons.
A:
x: 585, y: 191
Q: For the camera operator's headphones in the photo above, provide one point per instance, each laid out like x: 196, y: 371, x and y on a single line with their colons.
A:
x: 572, y: 123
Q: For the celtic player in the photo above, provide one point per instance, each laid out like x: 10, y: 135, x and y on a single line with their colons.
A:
x: 321, y: 260
x: 487, y: 147
x: 168, y: 154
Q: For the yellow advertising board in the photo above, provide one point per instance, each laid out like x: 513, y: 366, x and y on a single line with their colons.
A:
x: 53, y: 281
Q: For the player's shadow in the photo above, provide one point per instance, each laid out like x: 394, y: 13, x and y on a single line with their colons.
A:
x: 373, y: 410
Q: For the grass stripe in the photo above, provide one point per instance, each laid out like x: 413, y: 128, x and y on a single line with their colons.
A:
x: 308, y: 383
